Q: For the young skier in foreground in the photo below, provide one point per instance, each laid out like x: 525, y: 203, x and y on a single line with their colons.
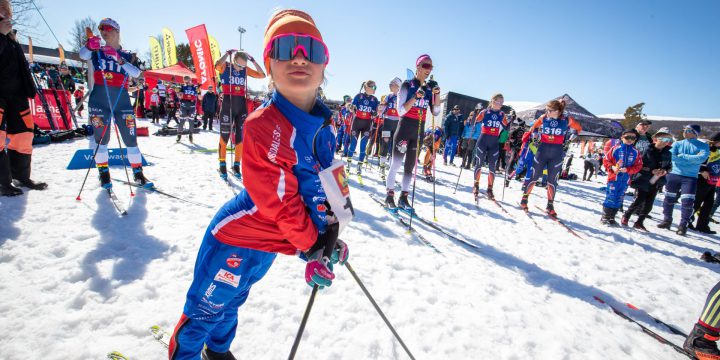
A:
x: 283, y: 208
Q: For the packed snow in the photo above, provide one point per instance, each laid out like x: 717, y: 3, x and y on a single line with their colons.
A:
x: 79, y: 281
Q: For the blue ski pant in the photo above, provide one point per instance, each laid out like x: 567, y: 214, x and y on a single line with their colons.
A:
x: 615, y: 191
x: 548, y: 156
x: 682, y: 188
x: 450, y: 148
x: 360, y: 128
x: 340, y: 137
x: 222, y: 280
x: 487, y: 147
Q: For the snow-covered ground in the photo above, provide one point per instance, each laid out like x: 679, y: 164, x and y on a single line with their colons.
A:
x: 77, y: 281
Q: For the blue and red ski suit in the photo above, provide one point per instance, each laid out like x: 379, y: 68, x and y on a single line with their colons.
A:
x: 281, y: 210
x: 626, y: 156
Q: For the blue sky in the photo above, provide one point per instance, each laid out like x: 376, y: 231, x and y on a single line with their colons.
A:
x: 606, y: 54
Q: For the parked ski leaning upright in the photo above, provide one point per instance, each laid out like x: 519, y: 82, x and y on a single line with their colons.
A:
x: 687, y: 156
x: 283, y: 208
x: 109, y: 100
x: 16, y: 122
x: 554, y: 128
x: 233, y: 80
x: 493, y: 121
x: 364, y: 107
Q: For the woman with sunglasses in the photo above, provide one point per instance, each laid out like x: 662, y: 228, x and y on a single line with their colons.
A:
x: 283, y: 206
x: 109, y: 100
x: 657, y: 162
x: 493, y: 121
x: 390, y: 122
x: 622, y: 161
x: 364, y: 107
x: 233, y: 110
x: 554, y: 128
x: 415, y: 99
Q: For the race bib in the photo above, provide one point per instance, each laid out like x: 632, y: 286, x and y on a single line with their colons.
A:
x: 337, y: 192
x: 386, y: 134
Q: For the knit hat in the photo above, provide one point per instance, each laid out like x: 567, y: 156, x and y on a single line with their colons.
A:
x: 286, y: 22
x: 662, y: 131
x: 715, y: 137
x: 694, y: 127
x: 421, y: 58
x: 396, y: 81
x: 109, y: 22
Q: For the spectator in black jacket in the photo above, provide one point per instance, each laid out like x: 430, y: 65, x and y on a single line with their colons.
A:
x: 209, y: 107
x: 657, y: 162
x: 452, y: 128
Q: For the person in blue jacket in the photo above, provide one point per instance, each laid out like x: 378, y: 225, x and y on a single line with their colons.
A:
x: 453, y: 127
x: 687, y: 157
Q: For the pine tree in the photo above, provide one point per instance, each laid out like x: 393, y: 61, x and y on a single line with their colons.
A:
x: 633, y: 115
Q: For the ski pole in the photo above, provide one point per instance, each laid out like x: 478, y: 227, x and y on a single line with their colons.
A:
x: 458, y: 180
x: 432, y: 158
x: 327, y: 253
x: 377, y: 308
x: 117, y: 133
x: 417, y: 157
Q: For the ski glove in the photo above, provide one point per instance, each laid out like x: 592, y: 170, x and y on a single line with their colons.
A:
x: 93, y: 43
x: 341, y: 253
x: 111, y: 52
x: 318, y: 270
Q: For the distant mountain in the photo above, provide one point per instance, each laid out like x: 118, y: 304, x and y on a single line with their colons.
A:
x: 662, y: 118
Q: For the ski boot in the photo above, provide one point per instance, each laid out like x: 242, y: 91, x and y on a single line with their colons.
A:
x: 9, y: 190
x: 223, y: 170
x: 403, y: 202
x: 524, y: 203
x: 6, y: 186
x: 664, y: 225
x: 476, y: 190
x: 701, y: 343
x: 624, y: 220
x: 190, y: 138
x: 208, y: 354
x: 507, y: 183
x: 178, y: 138
x: 382, y: 171
x: 140, y: 178
x: 490, y: 194
x: 359, y: 168
x: 705, y: 230
x: 444, y: 162
x: 639, y: 224
x: 390, y: 200
x: 608, y: 217
x: 105, y: 181
x: 20, y: 165
x: 682, y: 230
x: 550, y: 209
x: 236, y: 170
x: 348, y: 161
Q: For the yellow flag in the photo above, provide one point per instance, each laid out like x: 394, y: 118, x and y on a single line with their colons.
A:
x: 62, y: 54
x: 169, y: 45
x: 215, y: 51
x: 30, y: 50
x: 155, y: 54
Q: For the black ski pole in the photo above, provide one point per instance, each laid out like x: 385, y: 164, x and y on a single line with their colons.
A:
x: 458, y: 180
x: 327, y: 253
x: 432, y: 158
x: 377, y: 308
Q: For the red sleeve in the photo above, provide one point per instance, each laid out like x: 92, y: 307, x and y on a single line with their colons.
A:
x: 526, y: 137
x: 537, y: 123
x: 635, y: 168
x: 268, y: 158
x: 609, y: 160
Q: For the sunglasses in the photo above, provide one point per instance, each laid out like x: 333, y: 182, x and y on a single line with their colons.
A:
x: 665, y: 139
x: 551, y: 110
x: 373, y: 86
x: 106, y: 28
x: 427, y: 66
x: 630, y: 137
x: 689, y: 130
x: 284, y: 48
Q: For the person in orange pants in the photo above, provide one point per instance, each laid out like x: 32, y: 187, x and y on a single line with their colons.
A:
x: 16, y: 122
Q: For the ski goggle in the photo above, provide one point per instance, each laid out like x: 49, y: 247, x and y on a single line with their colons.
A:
x: 629, y: 137
x: 106, y: 28
x: 284, y: 48
x: 665, y: 139
x: 427, y: 66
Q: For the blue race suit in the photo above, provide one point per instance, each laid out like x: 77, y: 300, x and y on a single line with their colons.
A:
x: 365, y: 109
x: 488, y: 145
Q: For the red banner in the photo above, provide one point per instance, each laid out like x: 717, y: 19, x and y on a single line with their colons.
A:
x: 202, y: 57
x: 38, y: 111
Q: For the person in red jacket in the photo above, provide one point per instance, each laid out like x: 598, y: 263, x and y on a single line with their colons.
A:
x: 289, y: 146
x: 622, y: 161
x: 78, y: 95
